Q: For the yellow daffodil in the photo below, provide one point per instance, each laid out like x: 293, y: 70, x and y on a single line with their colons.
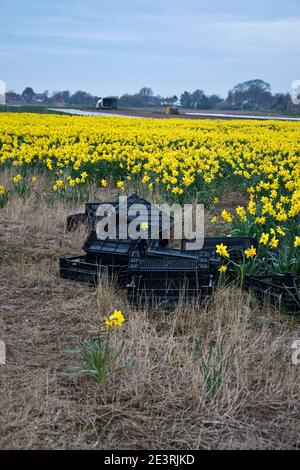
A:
x: 223, y: 269
x: 250, y: 252
x: 226, y: 216
x: 17, y: 179
x: 222, y: 250
x: 115, y: 319
x: 260, y: 220
x: 274, y: 242
x: 280, y: 231
x: 241, y: 213
x: 264, y: 238
x: 297, y: 242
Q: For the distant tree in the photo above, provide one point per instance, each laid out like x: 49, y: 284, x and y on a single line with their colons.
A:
x: 146, y: 92
x: 144, y: 98
x: 197, y: 99
x: 128, y: 100
x: 63, y: 96
x: 82, y: 98
x: 169, y: 100
x: 28, y: 91
x: 252, y: 86
x: 282, y: 102
x: 252, y: 94
x: 185, y: 99
x: 28, y: 94
x: 214, y: 101
x: 135, y: 100
x: 230, y: 98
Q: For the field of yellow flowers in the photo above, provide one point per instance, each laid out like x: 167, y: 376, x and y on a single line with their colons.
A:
x: 180, y: 160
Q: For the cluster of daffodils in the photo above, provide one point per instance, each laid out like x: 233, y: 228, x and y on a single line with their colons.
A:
x: 247, y: 259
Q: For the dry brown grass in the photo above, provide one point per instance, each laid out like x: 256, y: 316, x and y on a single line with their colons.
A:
x: 162, y: 402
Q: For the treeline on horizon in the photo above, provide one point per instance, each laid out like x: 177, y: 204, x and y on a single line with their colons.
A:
x: 250, y: 95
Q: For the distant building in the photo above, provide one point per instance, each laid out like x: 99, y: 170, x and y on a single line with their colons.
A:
x: 58, y: 101
x: 40, y: 98
x: 12, y: 97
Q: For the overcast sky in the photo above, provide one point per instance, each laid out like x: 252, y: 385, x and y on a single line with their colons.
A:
x: 117, y: 46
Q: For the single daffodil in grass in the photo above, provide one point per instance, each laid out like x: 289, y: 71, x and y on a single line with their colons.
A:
x: 115, y: 319
x: 222, y: 269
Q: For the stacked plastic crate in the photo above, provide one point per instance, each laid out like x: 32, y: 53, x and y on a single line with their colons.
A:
x: 153, y: 273
x: 102, y: 257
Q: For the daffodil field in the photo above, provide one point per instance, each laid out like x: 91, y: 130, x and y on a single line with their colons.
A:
x: 180, y: 160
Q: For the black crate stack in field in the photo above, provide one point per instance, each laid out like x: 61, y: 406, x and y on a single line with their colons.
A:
x: 152, y: 272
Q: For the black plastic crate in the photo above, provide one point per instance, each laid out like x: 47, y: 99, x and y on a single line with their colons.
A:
x: 140, y: 264
x: 162, y: 275
x: 152, y: 215
x: 235, y: 245
x: 90, y: 212
x: 109, y: 252
x: 154, y: 250
x: 281, y: 290
x: 134, y: 198
x: 91, y: 207
x: 88, y: 217
x: 74, y: 220
x: 118, y: 246
x: 169, y: 295
x: 81, y: 269
x: 76, y: 268
x: 190, y: 283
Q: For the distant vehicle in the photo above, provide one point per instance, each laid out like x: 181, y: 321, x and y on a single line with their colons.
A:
x: 107, y: 103
x: 172, y: 110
